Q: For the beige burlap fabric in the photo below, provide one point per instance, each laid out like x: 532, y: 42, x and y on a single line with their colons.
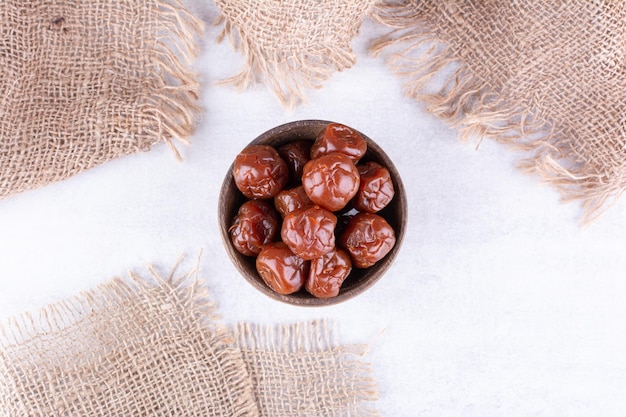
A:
x: 303, y: 370
x: 291, y: 45
x: 153, y: 346
x: 85, y: 82
x: 548, y: 77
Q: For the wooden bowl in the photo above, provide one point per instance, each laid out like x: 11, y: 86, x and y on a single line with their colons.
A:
x: 359, y: 280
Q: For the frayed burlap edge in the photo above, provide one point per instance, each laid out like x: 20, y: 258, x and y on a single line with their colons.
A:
x: 56, y: 317
x: 191, y: 299
x: 174, y: 106
x: 317, y: 337
x: 289, y: 78
x: 468, y: 104
x: 163, y: 108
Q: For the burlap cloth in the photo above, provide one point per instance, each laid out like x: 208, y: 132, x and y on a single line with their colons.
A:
x: 153, y: 346
x: 85, y: 82
x: 291, y: 45
x: 546, y: 77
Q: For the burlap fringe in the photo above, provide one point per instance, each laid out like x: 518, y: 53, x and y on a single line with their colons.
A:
x: 287, y: 76
x: 175, y: 107
x: 188, y: 296
x: 314, y: 337
x: 192, y: 298
x: 284, y: 84
x: 465, y: 101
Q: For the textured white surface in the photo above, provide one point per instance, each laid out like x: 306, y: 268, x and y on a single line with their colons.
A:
x: 498, y: 304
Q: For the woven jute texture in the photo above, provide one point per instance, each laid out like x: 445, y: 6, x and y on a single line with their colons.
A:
x: 547, y: 77
x: 152, y: 345
x: 85, y: 82
x: 291, y: 45
x: 302, y: 370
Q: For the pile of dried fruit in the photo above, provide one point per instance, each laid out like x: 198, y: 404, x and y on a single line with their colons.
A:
x: 321, y: 202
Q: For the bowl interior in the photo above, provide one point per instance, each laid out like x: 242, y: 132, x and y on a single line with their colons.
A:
x: 360, y: 279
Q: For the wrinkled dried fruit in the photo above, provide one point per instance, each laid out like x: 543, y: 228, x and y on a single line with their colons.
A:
x: 331, y: 180
x: 259, y: 172
x: 323, y: 204
x: 296, y: 154
x: 255, y: 225
x: 282, y: 270
x: 339, y: 138
x: 291, y: 200
x: 375, y: 188
x: 367, y: 238
x: 327, y: 273
x: 309, y: 232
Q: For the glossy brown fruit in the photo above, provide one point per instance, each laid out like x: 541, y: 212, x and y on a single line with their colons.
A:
x: 367, y: 238
x: 327, y: 273
x: 331, y: 180
x: 291, y: 200
x: 260, y: 172
x: 339, y: 138
x: 375, y: 188
x: 281, y: 269
x: 255, y: 225
x: 309, y: 232
x: 295, y: 154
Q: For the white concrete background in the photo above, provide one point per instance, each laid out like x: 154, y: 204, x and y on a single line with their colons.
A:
x: 499, y: 303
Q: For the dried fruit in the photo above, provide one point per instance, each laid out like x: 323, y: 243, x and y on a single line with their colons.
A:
x: 375, y: 188
x: 255, y: 225
x: 259, y: 172
x: 281, y: 269
x: 331, y: 180
x: 309, y: 232
x: 327, y: 273
x: 339, y: 138
x: 367, y: 238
